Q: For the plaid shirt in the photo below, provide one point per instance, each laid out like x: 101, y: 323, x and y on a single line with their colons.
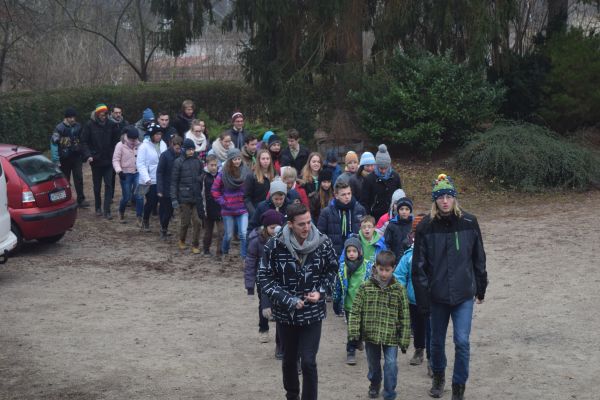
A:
x: 379, y: 315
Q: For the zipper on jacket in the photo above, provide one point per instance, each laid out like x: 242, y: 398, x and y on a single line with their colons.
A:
x: 456, y: 241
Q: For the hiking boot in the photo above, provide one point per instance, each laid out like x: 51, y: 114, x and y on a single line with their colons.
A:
x: 83, y: 204
x: 417, y: 358
x: 195, y: 250
x: 437, y: 385
x: 458, y: 391
x: 99, y: 212
x: 146, y: 226
x: 263, y: 337
x: 163, y: 234
x: 351, y: 358
x: 108, y: 215
x: 122, y: 218
x: 374, y: 391
x: 181, y: 245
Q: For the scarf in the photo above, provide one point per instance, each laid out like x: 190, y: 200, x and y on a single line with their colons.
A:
x: 247, y: 155
x: 200, y: 142
x: 352, y: 266
x: 297, y: 250
x: 345, y: 213
x: 381, y: 283
x: 219, y: 150
x: 387, y: 175
x: 231, y: 182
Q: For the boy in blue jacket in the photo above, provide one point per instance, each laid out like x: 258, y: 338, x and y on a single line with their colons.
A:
x: 354, y: 270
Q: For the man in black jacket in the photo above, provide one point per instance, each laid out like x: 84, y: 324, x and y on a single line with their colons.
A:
x: 294, y: 155
x: 98, y: 139
x: 448, y: 273
x: 298, y: 268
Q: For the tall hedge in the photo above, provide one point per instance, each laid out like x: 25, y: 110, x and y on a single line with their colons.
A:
x: 29, y: 118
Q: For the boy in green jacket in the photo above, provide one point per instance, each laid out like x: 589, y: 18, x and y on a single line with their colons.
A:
x: 381, y: 318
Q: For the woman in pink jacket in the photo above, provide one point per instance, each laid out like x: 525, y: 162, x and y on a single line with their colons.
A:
x: 123, y: 162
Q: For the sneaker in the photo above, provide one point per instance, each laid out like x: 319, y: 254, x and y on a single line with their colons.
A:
x: 163, y: 234
x: 99, y: 212
x: 351, y: 358
x: 195, y: 250
x: 108, y: 215
x: 263, y: 337
x: 417, y: 358
x: 83, y: 204
x: 437, y: 385
x: 373, y: 391
x: 458, y: 391
x: 181, y: 245
x: 146, y: 226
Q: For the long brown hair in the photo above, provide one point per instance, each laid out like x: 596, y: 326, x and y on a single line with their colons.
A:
x: 231, y: 170
x: 325, y: 196
x: 258, y: 171
x: 307, y: 175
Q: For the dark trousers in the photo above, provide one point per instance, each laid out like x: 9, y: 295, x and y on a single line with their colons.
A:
x: 100, y: 174
x: 209, y: 226
x: 420, y: 327
x: 74, y: 165
x: 300, y: 341
x: 352, y: 344
x: 165, y: 211
x: 263, y: 323
x: 151, y: 202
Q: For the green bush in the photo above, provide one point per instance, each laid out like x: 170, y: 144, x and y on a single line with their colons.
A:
x: 572, y: 87
x: 423, y: 100
x: 29, y: 118
x: 529, y: 157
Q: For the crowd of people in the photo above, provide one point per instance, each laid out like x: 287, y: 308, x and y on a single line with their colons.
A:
x: 309, y: 231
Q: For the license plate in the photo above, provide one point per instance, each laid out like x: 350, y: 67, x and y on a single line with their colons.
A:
x: 57, y: 196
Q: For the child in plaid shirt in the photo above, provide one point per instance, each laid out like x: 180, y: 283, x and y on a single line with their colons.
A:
x: 381, y: 318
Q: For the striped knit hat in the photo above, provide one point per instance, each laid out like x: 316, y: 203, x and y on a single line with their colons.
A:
x: 101, y: 108
x: 441, y: 186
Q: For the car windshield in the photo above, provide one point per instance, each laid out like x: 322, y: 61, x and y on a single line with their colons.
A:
x: 35, y: 168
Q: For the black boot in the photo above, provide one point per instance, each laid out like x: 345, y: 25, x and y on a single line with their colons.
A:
x: 146, y: 225
x: 374, y: 390
x: 458, y: 391
x: 163, y: 234
x: 437, y: 385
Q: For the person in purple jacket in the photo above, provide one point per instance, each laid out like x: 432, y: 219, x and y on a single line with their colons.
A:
x: 271, y: 222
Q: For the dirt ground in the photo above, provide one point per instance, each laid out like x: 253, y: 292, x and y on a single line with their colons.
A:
x: 112, y: 313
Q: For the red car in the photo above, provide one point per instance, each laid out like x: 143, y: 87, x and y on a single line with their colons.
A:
x: 39, y: 197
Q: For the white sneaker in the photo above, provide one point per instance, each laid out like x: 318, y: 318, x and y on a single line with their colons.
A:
x: 263, y: 337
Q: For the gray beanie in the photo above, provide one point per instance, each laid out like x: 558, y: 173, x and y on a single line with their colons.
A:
x: 382, y: 158
x: 233, y: 153
x: 278, y: 186
x: 355, y: 242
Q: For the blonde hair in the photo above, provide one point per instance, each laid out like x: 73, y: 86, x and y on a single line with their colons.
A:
x: 307, y: 175
x: 435, y: 211
x: 288, y: 173
x: 258, y: 171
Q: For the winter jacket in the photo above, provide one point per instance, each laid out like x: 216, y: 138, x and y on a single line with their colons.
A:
x: 147, y: 161
x: 380, y: 315
x: 287, y: 160
x: 448, y: 263
x: 256, y: 249
x: 396, y: 235
x: 255, y: 192
x: 238, y: 138
x: 66, y: 142
x: 164, y: 171
x: 247, y: 158
x: 119, y: 125
x: 124, y: 157
x: 356, y: 185
x: 403, y: 274
x: 335, y: 171
x: 372, y: 248
x: 314, y: 201
x: 330, y: 223
x: 98, y: 141
x: 231, y: 201
x: 285, y: 281
x: 262, y: 208
x: 182, y: 123
x: 344, y: 177
x: 341, y: 292
x: 186, y: 185
x: 377, y: 192
x: 212, y: 209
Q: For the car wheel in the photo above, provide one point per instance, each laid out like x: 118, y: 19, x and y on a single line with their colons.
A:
x: 17, y: 232
x: 51, y: 239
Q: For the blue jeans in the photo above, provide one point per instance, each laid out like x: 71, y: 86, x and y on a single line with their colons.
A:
x: 461, y: 315
x: 230, y: 223
x: 128, y: 187
x: 390, y: 368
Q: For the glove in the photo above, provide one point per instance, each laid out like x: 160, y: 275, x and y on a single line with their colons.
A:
x: 174, y: 204
x: 250, y: 292
x: 122, y: 175
x: 267, y: 313
x: 403, y: 350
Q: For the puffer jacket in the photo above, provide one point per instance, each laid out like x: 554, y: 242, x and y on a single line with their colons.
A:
x: 256, y: 249
x: 403, y: 274
x: 124, y: 157
x: 285, y: 281
x: 377, y: 193
x: 147, y: 161
x: 186, y: 184
x: 164, y: 172
x: 448, y: 263
x: 396, y: 235
x: 330, y: 223
x: 262, y: 208
x: 98, y: 141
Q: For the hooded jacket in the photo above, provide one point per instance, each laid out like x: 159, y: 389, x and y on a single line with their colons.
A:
x: 285, y: 279
x: 124, y: 156
x: 377, y: 192
x: 186, y: 184
x: 403, y: 275
x: 98, y: 141
x: 448, y: 265
x: 256, y: 249
x: 330, y: 223
x: 396, y: 235
x: 147, y: 161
